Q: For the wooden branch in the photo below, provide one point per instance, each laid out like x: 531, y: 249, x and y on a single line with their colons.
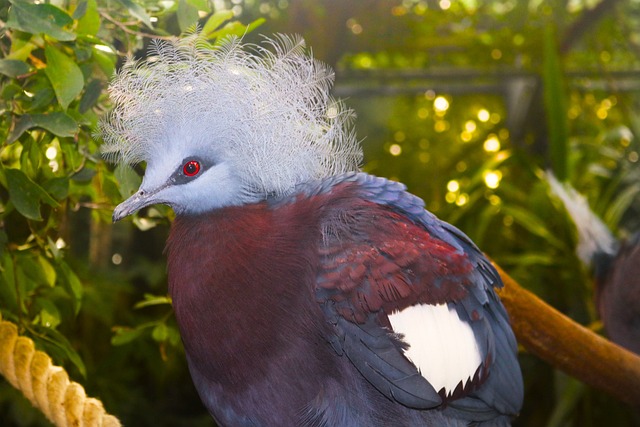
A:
x: 569, y: 346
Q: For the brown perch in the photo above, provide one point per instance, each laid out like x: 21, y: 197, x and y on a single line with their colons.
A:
x: 569, y: 346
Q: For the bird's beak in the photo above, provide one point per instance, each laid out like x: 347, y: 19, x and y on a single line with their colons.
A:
x: 133, y: 204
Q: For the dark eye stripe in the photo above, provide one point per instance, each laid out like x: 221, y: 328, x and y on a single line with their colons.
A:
x: 189, y: 169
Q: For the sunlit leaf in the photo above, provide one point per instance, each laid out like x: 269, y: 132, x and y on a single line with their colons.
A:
x: 204, y: 5
x: 235, y: 28
x: 48, y: 272
x: 65, y: 76
x: 150, y: 300
x: 88, y: 17
x: 216, y: 20
x: 160, y: 332
x: 106, y: 61
x: 49, y: 315
x: 39, y: 18
x: 21, y: 51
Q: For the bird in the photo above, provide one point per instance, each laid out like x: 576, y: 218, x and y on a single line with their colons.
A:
x: 615, y: 264
x: 307, y: 292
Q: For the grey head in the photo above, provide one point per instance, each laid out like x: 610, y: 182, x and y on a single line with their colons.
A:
x: 226, y: 125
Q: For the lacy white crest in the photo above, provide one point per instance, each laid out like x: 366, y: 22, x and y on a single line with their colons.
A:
x: 265, y: 108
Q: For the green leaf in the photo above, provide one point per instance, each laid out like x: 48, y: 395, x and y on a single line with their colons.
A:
x: 126, y: 335
x: 137, y: 11
x: 40, y: 18
x: 10, y: 91
x: 187, y: 15
x: 173, y: 336
x: 570, y: 396
x: 55, y: 340
x: 200, y: 4
x: 106, y: 61
x: 555, y: 100
x: 31, y: 157
x: 28, y: 275
x: 91, y: 95
x: 150, y: 300
x: 49, y: 314
x: 88, y: 18
x: 84, y: 175
x: 128, y: 179
x: 235, y: 28
x: 160, y: 333
x: 80, y: 10
x: 13, y: 67
x: 24, y: 193
x: 65, y: 76
x: 8, y: 291
x: 620, y: 205
x: 534, y: 224
x: 57, y: 123
x: 73, y: 285
x: 57, y: 187
x: 44, y: 97
x: 21, y: 126
x: 215, y: 21
x: 48, y: 270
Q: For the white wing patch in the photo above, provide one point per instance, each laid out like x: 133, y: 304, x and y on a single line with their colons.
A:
x: 441, y: 345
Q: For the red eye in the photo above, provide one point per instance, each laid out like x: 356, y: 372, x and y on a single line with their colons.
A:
x: 191, y: 168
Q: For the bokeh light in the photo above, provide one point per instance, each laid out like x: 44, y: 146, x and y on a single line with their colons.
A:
x: 492, y: 179
x: 484, y: 115
x: 441, y: 105
x: 491, y: 144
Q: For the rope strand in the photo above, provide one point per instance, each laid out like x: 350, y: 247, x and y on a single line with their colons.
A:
x: 47, y: 386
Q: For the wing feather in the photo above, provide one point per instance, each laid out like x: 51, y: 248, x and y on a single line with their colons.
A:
x: 383, y: 252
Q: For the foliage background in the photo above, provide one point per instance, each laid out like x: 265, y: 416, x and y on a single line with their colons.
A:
x: 467, y: 102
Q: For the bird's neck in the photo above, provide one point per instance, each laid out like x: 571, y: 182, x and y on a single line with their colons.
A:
x: 237, y: 277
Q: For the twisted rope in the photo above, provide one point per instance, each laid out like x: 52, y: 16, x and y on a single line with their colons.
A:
x: 47, y: 386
